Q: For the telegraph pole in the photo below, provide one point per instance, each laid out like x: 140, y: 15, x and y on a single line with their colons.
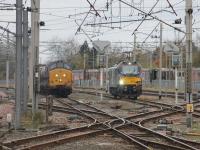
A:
x: 134, y: 53
x: 34, y: 53
x: 107, y: 89
x: 84, y: 64
x: 188, y: 77
x: 25, y: 59
x: 7, y: 62
x: 18, y: 71
x: 160, y: 64
x: 176, y: 85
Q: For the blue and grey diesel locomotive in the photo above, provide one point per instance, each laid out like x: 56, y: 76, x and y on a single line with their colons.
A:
x: 125, y: 80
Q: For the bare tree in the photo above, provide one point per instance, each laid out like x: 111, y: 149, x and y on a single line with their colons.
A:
x: 7, y: 52
x: 62, y: 50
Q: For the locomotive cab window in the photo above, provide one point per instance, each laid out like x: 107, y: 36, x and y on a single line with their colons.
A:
x: 130, y: 70
x: 59, y: 65
x: 52, y: 66
x: 66, y: 66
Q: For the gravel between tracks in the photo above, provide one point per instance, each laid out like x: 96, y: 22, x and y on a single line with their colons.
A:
x: 115, y: 107
x: 106, y: 142
x: 118, y: 108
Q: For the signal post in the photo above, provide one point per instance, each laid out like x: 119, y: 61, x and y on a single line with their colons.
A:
x: 188, y: 73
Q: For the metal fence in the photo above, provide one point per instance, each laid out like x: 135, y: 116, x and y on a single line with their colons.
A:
x: 170, y: 84
x: 11, y: 83
x: 89, y: 84
x: 166, y: 84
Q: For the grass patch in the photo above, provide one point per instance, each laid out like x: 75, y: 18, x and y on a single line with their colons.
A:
x: 156, y: 88
x: 38, y: 119
x: 30, y: 121
x: 27, y: 119
x: 196, y: 127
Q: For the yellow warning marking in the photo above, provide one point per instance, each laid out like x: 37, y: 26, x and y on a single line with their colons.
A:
x: 190, y: 107
x: 150, y: 148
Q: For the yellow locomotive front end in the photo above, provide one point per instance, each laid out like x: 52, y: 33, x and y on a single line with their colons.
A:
x: 60, y: 79
x: 130, y: 86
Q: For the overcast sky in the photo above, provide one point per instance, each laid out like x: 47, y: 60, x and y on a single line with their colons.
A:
x: 60, y: 16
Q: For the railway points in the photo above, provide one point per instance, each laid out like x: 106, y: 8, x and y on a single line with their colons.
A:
x: 96, y: 112
x: 109, y: 74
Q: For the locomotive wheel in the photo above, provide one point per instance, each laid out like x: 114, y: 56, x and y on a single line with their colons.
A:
x: 66, y: 94
x: 135, y: 98
x: 119, y: 97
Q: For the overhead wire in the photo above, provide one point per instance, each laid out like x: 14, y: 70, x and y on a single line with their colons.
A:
x: 113, y: 7
x: 79, y: 27
x: 154, y: 17
x: 114, y: 22
x: 84, y: 32
x: 63, y: 16
x: 6, y: 29
x: 172, y: 7
x: 151, y: 33
x: 146, y: 15
x: 163, y: 10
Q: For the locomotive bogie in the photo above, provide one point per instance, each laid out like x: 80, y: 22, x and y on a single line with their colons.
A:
x: 126, y: 91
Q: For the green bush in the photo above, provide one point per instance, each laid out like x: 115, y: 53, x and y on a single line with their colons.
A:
x: 38, y: 119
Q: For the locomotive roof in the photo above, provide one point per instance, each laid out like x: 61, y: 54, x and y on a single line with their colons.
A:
x: 59, y: 61
x: 127, y: 63
x: 124, y: 63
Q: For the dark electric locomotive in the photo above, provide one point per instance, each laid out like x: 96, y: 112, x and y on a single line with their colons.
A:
x: 125, y: 80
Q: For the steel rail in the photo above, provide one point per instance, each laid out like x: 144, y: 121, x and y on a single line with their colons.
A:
x: 84, y: 113
x: 143, y: 121
x: 178, y: 109
x: 157, y: 144
x: 126, y: 136
x: 195, y: 144
x: 122, y: 135
x: 155, y: 133
x: 70, y: 110
x: 149, y: 131
x: 42, y: 146
x: 52, y: 134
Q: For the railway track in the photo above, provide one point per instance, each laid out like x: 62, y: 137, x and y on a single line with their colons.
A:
x: 169, y: 94
x: 157, y: 140
x: 196, y: 96
x: 196, y: 101
x: 122, y: 127
x: 189, y: 142
x: 55, y: 138
x: 142, y: 118
x: 123, y: 123
x: 91, y: 112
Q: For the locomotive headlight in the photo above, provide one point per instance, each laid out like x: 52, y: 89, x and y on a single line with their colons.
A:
x: 56, y: 75
x: 64, y: 75
x: 121, y: 82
